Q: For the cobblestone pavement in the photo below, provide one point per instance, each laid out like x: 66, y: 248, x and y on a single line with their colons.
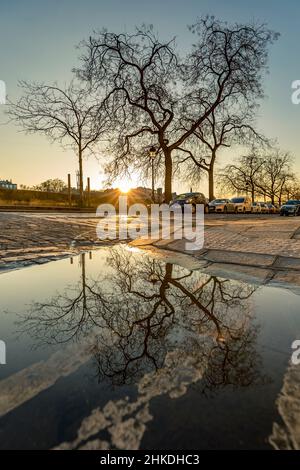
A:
x: 37, y: 238
x: 270, y: 234
x: 260, y: 249
x: 267, y: 235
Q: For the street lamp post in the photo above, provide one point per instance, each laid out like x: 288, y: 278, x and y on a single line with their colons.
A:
x: 152, y: 154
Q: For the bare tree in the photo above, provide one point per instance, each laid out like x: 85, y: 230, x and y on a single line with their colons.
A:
x: 222, y: 129
x: 156, y: 98
x: 276, y: 175
x: 53, y: 185
x: 69, y: 116
x: 263, y: 174
x: 291, y: 190
x: 242, y: 176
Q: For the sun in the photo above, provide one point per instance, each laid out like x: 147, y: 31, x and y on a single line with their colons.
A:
x: 125, y: 186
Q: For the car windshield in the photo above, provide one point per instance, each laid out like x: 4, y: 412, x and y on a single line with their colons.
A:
x: 238, y: 199
x: 218, y: 201
x: 180, y: 197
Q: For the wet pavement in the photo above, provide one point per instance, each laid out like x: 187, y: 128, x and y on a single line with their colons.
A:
x: 122, y: 348
x: 28, y: 238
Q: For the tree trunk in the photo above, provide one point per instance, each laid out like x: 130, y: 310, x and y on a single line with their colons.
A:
x: 211, y: 183
x: 168, y: 176
x: 81, y: 195
x: 253, y: 194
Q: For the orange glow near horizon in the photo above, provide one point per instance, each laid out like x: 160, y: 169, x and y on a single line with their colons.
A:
x: 125, y: 186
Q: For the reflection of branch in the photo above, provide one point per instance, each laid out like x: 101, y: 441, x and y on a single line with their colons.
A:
x: 64, y: 318
x: 177, y: 291
x: 144, y: 309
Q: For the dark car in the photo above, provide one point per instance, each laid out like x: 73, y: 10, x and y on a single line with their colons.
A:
x: 292, y: 207
x: 221, y: 205
x: 191, y: 198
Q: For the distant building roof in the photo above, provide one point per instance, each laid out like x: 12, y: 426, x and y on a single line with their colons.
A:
x: 6, y: 184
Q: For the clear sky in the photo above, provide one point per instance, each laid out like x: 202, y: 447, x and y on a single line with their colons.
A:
x: 38, y: 39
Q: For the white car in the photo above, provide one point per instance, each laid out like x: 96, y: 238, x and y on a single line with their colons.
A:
x: 221, y: 205
x: 264, y: 208
x: 255, y: 208
x: 242, y: 204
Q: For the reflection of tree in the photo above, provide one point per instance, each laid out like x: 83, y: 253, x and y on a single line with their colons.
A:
x: 167, y: 306
x: 145, y: 308
x: 65, y: 316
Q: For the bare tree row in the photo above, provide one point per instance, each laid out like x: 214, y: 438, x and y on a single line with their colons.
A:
x: 268, y: 174
x: 135, y: 91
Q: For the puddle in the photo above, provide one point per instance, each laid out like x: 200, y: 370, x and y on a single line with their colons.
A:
x: 120, y: 350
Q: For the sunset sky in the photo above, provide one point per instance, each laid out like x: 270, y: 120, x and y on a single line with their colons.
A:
x: 38, y: 40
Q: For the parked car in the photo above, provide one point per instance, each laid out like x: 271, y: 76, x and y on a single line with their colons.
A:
x: 277, y: 208
x: 272, y: 208
x: 221, y: 205
x: 242, y: 204
x: 191, y: 198
x: 264, y: 207
x: 292, y: 207
x: 255, y: 208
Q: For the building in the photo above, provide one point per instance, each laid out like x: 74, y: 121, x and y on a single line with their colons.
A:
x: 5, y: 184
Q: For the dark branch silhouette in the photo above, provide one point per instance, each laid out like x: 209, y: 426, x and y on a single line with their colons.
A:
x: 155, y: 97
x: 146, y: 308
x: 68, y: 115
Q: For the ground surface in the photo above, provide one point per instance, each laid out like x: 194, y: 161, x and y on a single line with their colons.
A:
x: 265, y: 247
x: 37, y: 238
x: 259, y: 249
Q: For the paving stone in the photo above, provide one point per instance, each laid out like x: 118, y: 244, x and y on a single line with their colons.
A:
x: 221, y: 256
x: 241, y: 273
x: 289, y: 277
x: 181, y: 246
x: 141, y: 242
x: 290, y: 263
x: 189, y: 262
x: 163, y: 243
x: 281, y: 235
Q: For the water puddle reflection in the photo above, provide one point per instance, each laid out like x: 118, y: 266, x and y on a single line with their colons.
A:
x: 117, y: 349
